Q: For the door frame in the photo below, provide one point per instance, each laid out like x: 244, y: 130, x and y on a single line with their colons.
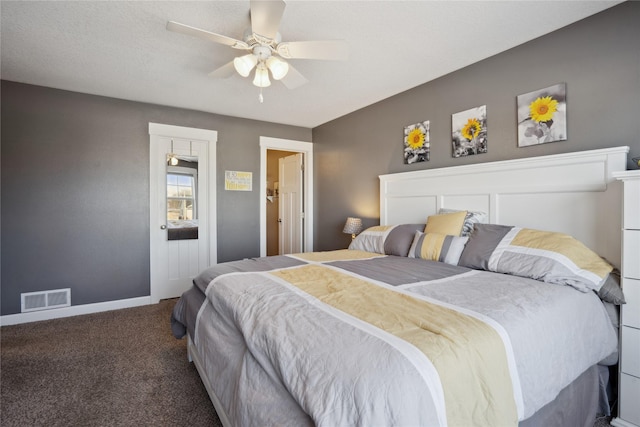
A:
x: 306, y: 148
x: 211, y: 136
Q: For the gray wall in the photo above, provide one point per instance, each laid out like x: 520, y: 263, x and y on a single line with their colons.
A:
x: 75, y: 173
x: 598, y: 59
x: 75, y: 191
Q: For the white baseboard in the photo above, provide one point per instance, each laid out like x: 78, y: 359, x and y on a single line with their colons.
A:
x: 619, y: 422
x: 74, y: 310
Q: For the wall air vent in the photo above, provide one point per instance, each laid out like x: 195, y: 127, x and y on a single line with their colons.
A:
x: 45, y: 300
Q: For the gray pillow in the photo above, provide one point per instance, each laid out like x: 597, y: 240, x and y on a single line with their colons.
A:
x: 482, y: 242
x: 386, y: 239
x: 400, y: 239
x: 547, y: 256
x: 611, y: 290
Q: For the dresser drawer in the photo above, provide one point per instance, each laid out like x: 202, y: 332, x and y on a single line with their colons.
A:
x: 632, y: 204
x: 630, y: 357
x: 631, y: 254
x: 629, y: 398
x: 631, y: 310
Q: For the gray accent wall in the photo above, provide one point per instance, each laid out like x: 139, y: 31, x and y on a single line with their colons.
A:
x: 75, y: 191
x: 598, y: 58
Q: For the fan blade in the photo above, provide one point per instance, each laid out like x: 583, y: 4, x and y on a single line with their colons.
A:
x: 265, y: 17
x: 329, y: 49
x: 196, y: 32
x: 293, y: 79
x: 226, y: 71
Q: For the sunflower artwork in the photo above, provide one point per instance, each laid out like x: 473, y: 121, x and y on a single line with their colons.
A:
x: 416, y: 143
x: 542, y: 116
x: 469, y: 132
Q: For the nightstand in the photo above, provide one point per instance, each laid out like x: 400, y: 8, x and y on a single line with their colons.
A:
x: 629, y: 367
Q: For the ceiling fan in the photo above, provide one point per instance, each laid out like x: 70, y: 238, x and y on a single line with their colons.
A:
x: 267, y: 51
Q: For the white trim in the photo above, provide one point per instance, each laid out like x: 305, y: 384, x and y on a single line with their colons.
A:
x: 268, y: 143
x: 182, y: 132
x: 578, y: 157
x: 629, y: 175
x: 74, y: 310
x: 211, y: 136
x: 619, y: 422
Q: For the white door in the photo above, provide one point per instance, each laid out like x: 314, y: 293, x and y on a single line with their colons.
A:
x: 181, y: 230
x: 290, y: 204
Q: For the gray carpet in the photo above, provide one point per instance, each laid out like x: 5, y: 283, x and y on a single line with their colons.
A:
x: 602, y: 422
x: 118, y: 368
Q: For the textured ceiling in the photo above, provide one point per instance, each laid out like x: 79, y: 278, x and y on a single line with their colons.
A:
x: 121, y: 49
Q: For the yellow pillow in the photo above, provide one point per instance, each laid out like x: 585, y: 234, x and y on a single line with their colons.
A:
x: 449, y: 223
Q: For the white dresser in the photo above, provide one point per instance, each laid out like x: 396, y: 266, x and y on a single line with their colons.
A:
x: 629, y: 385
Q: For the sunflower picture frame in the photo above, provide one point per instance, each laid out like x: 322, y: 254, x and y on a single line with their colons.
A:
x: 416, y: 143
x: 542, y: 116
x: 469, y: 132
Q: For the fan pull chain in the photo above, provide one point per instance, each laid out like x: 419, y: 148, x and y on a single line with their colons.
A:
x: 260, y: 97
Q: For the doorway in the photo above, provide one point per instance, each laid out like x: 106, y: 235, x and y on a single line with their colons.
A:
x: 289, y: 147
x: 182, y: 225
x: 273, y: 199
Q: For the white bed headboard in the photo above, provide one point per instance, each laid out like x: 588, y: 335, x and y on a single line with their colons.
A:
x: 572, y: 193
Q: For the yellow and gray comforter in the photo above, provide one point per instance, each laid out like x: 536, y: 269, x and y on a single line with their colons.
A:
x: 356, y: 338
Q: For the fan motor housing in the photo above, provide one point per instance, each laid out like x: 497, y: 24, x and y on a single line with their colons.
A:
x: 253, y: 39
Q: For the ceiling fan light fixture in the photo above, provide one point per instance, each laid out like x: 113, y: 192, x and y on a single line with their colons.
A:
x: 244, y: 64
x: 278, y: 67
x: 261, y: 42
x: 262, y: 76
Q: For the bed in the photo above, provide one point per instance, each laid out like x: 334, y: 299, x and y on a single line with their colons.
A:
x: 486, y: 296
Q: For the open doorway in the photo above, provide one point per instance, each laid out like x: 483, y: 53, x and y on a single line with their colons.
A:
x: 287, y: 147
x: 273, y: 199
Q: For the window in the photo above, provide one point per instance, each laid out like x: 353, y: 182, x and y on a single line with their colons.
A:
x: 180, y: 196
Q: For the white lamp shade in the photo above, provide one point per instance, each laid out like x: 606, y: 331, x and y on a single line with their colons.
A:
x: 353, y: 226
x: 262, y: 77
x: 278, y: 67
x: 244, y: 64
